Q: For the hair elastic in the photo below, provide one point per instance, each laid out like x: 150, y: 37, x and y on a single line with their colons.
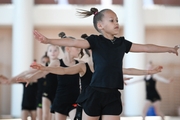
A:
x: 96, y: 13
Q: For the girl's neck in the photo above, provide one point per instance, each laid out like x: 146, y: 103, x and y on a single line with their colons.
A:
x: 108, y: 36
x: 53, y: 59
x: 148, y: 77
x: 68, y: 60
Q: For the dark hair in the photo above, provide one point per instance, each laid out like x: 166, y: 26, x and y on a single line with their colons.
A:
x: 84, y: 36
x: 63, y: 35
x: 46, y: 56
x: 93, y: 11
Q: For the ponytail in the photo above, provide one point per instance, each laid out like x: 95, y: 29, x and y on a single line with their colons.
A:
x: 98, y: 15
x: 86, y: 13
x: 63, y: 35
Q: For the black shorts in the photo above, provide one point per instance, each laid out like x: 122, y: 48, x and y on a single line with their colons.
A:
x: 39, y: 105
x: 39, y: 100
x: 100, y: 101
x: 50, y: 94
x: 63, y: 104
x: 62, y: 108
x: 154, y: 99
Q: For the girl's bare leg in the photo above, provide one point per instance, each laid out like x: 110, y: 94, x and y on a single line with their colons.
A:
x: 145, y: 109
x: 72, y: 114
x: 39, y: 113
x: 59, y: 116
x: 110, y: 117
x: 33, y: 114
x: 157, y: 109
x: 46, y: 103
x: 52, y: 116
x: 24, y: 114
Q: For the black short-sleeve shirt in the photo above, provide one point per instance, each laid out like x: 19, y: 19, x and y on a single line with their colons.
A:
x: 107, y: 58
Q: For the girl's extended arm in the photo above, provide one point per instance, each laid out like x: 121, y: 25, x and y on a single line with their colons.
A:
x: 133, y: 71
x: 23, y: 75
x: 150, y: 48
x: 69, y: 42
x: 36, y: 75
x: 29, y: 78
x: 78, y: 68
x: 3, y: 79
x: 162, y: 79
x: 14, y: 79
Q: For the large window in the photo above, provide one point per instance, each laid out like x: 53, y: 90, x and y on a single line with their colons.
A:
x: 85, y: 2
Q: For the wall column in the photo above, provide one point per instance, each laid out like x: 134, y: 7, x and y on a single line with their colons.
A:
x: 22, y: 48
x: 134, y: 31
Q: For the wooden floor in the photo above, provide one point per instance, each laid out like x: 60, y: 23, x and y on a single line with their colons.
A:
x: 131, y: 118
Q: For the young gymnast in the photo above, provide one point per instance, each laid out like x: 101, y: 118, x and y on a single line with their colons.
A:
x: 152, y: 96
x: 68, y: 85
x: 101, y: 97
x: 29, y: 97
x: 29, y: 101
x: 41, y: 84
x: 50, y: 84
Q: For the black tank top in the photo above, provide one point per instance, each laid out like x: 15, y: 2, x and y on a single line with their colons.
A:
x: 150, y: 85
x: 86, y: 78
x: 51, y: 81
x: 68, y: 82
x: 29, y: 94
x: 40, y: 83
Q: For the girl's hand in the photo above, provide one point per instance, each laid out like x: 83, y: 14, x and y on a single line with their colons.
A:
x: 126, y: 78
x: 3, y: 79
x: 24, y: 80
x: 155, y: 70
x: 175, y: 50
x: 171, y: 80
x: 37, y: 66
x: 41, y: 37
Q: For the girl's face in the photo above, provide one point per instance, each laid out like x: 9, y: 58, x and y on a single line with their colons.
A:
x: 45, y: 60
x: 150, y: 66
x: 53, y: 52
x: 74, y: 52
x: 109, y: 23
